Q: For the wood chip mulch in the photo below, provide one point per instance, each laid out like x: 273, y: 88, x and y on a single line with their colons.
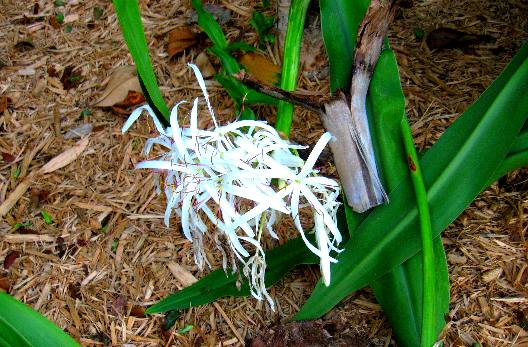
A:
x: 106, y: 255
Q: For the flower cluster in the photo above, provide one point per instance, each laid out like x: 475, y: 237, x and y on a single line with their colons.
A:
x: 241, y: 177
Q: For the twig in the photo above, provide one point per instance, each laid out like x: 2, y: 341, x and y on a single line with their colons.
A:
x: 275, y: 92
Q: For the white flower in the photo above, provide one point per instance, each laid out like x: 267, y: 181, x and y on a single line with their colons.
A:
x: 225, y: 175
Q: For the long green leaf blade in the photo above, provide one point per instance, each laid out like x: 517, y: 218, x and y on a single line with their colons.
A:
x: 22, y: 326
x: 130, y: 21
x: 394, y: 291
x: 385, y: 240
x: 400, y: 295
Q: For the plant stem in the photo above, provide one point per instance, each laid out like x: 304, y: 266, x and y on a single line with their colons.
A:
x: 290, y: 64
x: 429, y: 279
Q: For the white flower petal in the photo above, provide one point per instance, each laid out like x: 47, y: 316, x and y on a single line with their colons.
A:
x: 329, y: 222
x: 316, y: 152
x: 322, y: 241
x: 201, y: 82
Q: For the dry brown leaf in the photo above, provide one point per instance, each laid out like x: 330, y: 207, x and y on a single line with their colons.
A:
x: 181, y: 274
x: 180, y: 39
x: 205, y: 66
x: 261, y: 68
x: 122, y: 80
x: 65, y: 157
x: 126, y: 106
x: 10, y: 259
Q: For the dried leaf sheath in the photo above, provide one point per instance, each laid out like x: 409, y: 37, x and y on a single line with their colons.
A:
x: 352, y: 149
x: 350, y: 162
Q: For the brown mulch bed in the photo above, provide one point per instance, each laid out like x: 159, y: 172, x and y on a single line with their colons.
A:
x: 107, y: 254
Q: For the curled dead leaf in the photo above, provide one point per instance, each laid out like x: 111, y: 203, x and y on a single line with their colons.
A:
x: 125, y: 107
x: 122, y: 80
x: 8, y: 158
x: 180, y: 39
x: 71, y: 78
x: 261, y: 68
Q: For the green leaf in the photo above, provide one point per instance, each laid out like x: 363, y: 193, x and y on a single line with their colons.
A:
x: 132, y: 28
x: 419, y: 33
x: 263, y: 25
x: 339, y: 22
x: 98, y: 13
x: 395, y: 290
x: 291, y: 62
x: 86, y: 112
x: 400, y: 295
x: 170, y: 319
x: 21, y: 326
x: 185, y: 329
x: 211, y: 27
x: 46, y: 216
x: 26, y: 224
x: 240, y: 46
x: 236, y: 90
x: 387, y: 236
x: 59, y: 17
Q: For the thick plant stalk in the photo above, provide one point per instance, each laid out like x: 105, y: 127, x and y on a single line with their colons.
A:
x: 352, y: 149
x: 429, y: 279
x: 290, y: 64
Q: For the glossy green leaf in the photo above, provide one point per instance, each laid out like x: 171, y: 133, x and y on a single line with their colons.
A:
x: 240, y: 46
x: 132, y: 29
x: 386, y: 238
x: 386, y: 107
x: 48, y: 219
x: 21, y: 326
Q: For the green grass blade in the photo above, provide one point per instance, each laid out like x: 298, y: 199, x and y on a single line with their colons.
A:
x: 22, y: 326
x: 385, y: 239
x: 132, y: 29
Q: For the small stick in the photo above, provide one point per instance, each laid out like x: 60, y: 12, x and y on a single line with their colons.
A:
x: 275, y: 92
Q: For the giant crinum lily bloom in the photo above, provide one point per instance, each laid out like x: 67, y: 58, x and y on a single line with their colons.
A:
x: 224, y: 177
